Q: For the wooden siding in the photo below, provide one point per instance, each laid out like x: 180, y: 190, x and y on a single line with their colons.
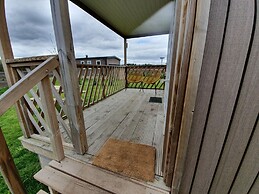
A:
x: 222, y: 154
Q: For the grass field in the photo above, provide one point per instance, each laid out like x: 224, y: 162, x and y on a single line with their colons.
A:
x: 26, y: 162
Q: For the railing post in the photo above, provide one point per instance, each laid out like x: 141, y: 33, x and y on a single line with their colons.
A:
x: 126, y: 76
x: 68, y: 69
x: 8, y: 168
x: 7, y: 53
x: 51, y: 118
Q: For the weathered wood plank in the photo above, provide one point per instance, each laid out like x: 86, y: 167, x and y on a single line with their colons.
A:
x: 16, y: 91
x: 183, y: 105
x: 234, y: 53
x: 158, y: 139
x: 107, y: 127
x: 51, y: 118
x: 247, y: 174
x: 68, y: 69
x: 169, y: 93
x: 28, y: 60
x: 127, y: 127
x: 41, y: 145
x: 247, y: 108
x: 103, y: 115
x: 179, y: 83
x: 7, y: 53
x: 8, y: 168
x: 145, y: 130
x: 255, y: 187
x: 64, y: 183
x: 215, y: 34
x: 104, y: 179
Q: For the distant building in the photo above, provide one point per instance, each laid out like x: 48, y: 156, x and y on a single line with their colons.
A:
x: 106, y: 60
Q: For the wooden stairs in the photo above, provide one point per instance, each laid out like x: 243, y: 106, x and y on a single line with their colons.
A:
x: 72, y: 176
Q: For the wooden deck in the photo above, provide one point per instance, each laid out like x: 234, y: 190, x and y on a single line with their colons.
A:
x: 127, y: 115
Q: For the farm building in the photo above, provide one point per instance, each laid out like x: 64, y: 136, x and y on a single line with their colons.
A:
x: 193, y: 131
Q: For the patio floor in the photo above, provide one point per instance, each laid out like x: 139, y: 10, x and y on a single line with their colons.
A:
x: 127, y: 115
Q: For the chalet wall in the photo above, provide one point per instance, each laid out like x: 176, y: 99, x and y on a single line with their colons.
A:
x: 113, y: 61
x: 222, y: 154
x: 104, y: 61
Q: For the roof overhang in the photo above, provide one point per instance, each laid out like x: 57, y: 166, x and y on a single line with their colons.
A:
x: 131, y: 18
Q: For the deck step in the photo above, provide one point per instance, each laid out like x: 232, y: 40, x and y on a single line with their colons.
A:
x: 64, y: 183
x: 72, y: 176
x: 42, y: 192
x: 105, y: 179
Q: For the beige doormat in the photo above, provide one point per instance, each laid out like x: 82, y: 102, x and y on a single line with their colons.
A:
x: 126, y: 158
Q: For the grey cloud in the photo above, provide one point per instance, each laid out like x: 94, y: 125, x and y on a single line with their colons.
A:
x: 31, y: 33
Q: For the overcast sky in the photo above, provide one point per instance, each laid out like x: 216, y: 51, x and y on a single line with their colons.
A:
x: 31, y: 32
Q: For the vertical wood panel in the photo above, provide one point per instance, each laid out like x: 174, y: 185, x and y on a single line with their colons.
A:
x: 255, y: 187
x: 238, y: 36
x: 172, y: 50
x: 68, y: 68
x: 249, y: 168
x: 178, y: 95
x: 239, y: 132
x: 216, y: 26
x: 183, y: 142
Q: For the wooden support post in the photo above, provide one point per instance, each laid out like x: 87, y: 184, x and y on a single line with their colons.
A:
x: 7, y: 53
x: 8, y: 168
x: 51, y: 118
x: 125, y: 51
x: 62, y: 28
x: 125, y: 61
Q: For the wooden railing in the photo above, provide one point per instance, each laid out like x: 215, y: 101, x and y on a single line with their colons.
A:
x: 95, y: 83
x: 145, y: 77
x: 38, y: 82
x: 35, y: 90
x: 99, y: 81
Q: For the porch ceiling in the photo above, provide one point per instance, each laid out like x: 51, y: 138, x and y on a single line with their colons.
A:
x: 131, y: 18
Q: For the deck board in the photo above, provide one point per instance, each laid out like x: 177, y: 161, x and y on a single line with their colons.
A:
x: 127, y: 115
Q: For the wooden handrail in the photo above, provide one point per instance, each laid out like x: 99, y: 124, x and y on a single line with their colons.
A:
x: 20, y: 88
x: 8, y: 168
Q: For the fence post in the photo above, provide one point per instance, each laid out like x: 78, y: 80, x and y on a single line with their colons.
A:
x: 8, y: 168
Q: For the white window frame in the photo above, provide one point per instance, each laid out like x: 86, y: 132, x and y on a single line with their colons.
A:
x: 98, y: 61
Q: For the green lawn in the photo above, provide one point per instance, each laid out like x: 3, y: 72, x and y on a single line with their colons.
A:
x: 26, y: 162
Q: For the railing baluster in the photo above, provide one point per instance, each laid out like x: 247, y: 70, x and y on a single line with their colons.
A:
x: 113, y: 80
x: 51, y: 118
x: 87, y: 89
x: 92, y: 87
x: 109, y: 82
x: 105, y: 81
x: 100, y: 84
x: 83, y: 83
x: 98, y: 70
